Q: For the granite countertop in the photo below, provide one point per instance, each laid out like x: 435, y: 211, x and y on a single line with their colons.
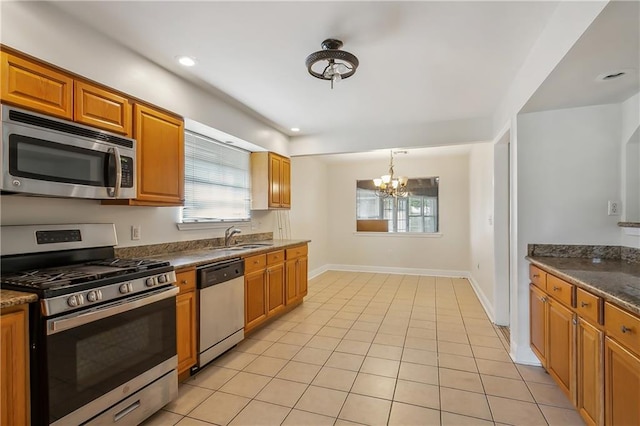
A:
x: 199, y: 257
x: 616, y: 281
x: 15, y: 298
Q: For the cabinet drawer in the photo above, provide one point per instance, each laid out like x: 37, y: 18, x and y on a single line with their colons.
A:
x: 299, y: 251
x: 255, y: 263
x: 275, y: 257
x: 538, y: 277
x: 622, y: 326
x: 588, y: 306
x: 186, y: 280
x: 560, y: 290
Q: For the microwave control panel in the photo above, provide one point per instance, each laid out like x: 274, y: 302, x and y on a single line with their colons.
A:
x: 127, y: 172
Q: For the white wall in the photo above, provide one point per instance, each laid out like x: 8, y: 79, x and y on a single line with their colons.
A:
x: 310, y: 209
x: 446, y: 254
x: 630, y: 172
x: 568, y: 164
x: 158, y: 224
x: 481, y: 214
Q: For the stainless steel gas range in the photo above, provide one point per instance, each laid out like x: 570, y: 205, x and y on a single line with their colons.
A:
x: 103, y: 335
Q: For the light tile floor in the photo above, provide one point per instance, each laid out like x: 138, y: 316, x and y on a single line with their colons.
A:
x: 373, y: 349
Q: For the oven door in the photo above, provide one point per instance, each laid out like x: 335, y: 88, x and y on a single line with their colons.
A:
x: 96, y: 358
x: 42, y: 162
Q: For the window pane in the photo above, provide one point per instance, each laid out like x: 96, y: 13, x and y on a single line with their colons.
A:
x: 217, y: 182
x: 416, y: 212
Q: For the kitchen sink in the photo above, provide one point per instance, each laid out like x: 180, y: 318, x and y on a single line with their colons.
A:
x: 247, y: 246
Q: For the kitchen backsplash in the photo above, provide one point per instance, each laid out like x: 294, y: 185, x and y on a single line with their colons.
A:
x: 627, y: 254
x: 178, y: 246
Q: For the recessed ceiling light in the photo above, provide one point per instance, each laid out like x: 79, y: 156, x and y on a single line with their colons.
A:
x: 295, y: 129
x: 187, y: 61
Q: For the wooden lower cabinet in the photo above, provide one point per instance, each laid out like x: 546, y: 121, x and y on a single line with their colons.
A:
x: 560, y: 346
x: 186, y: 320
x: 275, y: 289
x: 14, y: 364
x: 255, y: 296
x: 538, y: 323
x: 589, y: 372
x: 297, y: 266
x: 622, y: 385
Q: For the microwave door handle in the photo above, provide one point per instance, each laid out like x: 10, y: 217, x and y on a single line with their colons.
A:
x: 116, y: 155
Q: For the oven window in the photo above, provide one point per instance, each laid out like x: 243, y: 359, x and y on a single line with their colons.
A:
x: 88, y: 361
x: 54, y: 162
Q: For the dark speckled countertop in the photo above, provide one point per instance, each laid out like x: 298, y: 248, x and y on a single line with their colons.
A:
x: 14, y: 298
x: 616, y: 281
x: 209, y: 255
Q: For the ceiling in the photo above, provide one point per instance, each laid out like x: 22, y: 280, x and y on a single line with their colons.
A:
x: 420, y: 62
x: 611, y: 44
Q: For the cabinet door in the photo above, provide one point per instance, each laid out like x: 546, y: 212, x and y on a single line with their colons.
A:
x: 36, y: 87
x: 291, y: 281
x: 303, y: 270
x: 160, y: 156
x: 14, y: 363
x: 275, y: 177
x: 275, y: 286
x: 97, y: 107
x: 537, y: 323
x: 255, y: 299
x: 622, y: 385
x: 285, y: 183
x: 186, y: 330
x: 589, y: 371
x: 559, y: 345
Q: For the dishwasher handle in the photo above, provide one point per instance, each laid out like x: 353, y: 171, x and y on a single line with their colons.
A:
x: 219, y: 273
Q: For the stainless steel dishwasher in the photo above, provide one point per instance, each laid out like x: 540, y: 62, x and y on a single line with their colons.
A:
x: 221, y: 308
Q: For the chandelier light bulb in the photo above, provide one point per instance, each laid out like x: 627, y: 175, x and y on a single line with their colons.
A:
x: 394, y: 183
x: 377, y: 182
x: 386, y: 178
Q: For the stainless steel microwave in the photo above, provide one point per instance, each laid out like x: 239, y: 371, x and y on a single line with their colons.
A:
x: 42, y: 155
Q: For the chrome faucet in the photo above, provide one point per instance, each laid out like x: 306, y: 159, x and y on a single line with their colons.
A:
x: 229, y: 233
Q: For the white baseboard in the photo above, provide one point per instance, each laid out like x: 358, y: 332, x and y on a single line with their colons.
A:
x: 394, y: 270
x: 488, y: 307
x: 321, y: 270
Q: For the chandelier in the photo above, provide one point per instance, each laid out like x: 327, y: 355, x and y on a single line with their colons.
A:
x: 330, y: 63
x: 388, y: 185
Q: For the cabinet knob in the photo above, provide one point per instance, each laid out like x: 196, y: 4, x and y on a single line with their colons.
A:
x: 584, y: 304
x: 183, y: 282
x: 625, y: 329
x: 575, y: 321
x: 556, y: 288
x: 543, y: 299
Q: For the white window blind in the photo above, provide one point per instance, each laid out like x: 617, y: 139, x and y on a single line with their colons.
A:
x: 216, y: 181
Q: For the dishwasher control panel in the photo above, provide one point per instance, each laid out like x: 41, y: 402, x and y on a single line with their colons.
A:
x: 219, y: 272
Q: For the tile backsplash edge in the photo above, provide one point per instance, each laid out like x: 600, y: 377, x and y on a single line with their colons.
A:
x: 179, y: 246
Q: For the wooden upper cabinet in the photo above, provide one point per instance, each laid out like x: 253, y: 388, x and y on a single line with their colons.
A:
x: 98, y: 107
x: 36, y: 87
x: 270, y: 181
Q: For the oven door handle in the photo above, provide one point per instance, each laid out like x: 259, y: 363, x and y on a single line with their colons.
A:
x: 57, y: 325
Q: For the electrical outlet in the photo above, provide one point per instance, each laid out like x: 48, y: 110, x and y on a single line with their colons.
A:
x: 135, y: 232
x: 613, y: 208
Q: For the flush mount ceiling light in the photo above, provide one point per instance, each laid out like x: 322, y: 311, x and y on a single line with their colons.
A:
x: 331, y: 63
x: 187, y: 61
x: 295, y: 129
x: 388, y: 186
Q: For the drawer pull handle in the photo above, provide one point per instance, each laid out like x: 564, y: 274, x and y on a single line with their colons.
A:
x: 556, y: 288
x: 183, y: 281
x: 625, y: 329
x: 584, y: 304
x: 536, y: 275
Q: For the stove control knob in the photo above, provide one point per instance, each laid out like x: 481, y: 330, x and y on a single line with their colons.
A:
x: 75, y: 300
x: 124, y: 288
x: 94, y: 296
x: 162, y: 279
x: 150, y: 282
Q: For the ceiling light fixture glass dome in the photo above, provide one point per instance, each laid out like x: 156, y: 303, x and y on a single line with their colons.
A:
x: 331, y: 63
